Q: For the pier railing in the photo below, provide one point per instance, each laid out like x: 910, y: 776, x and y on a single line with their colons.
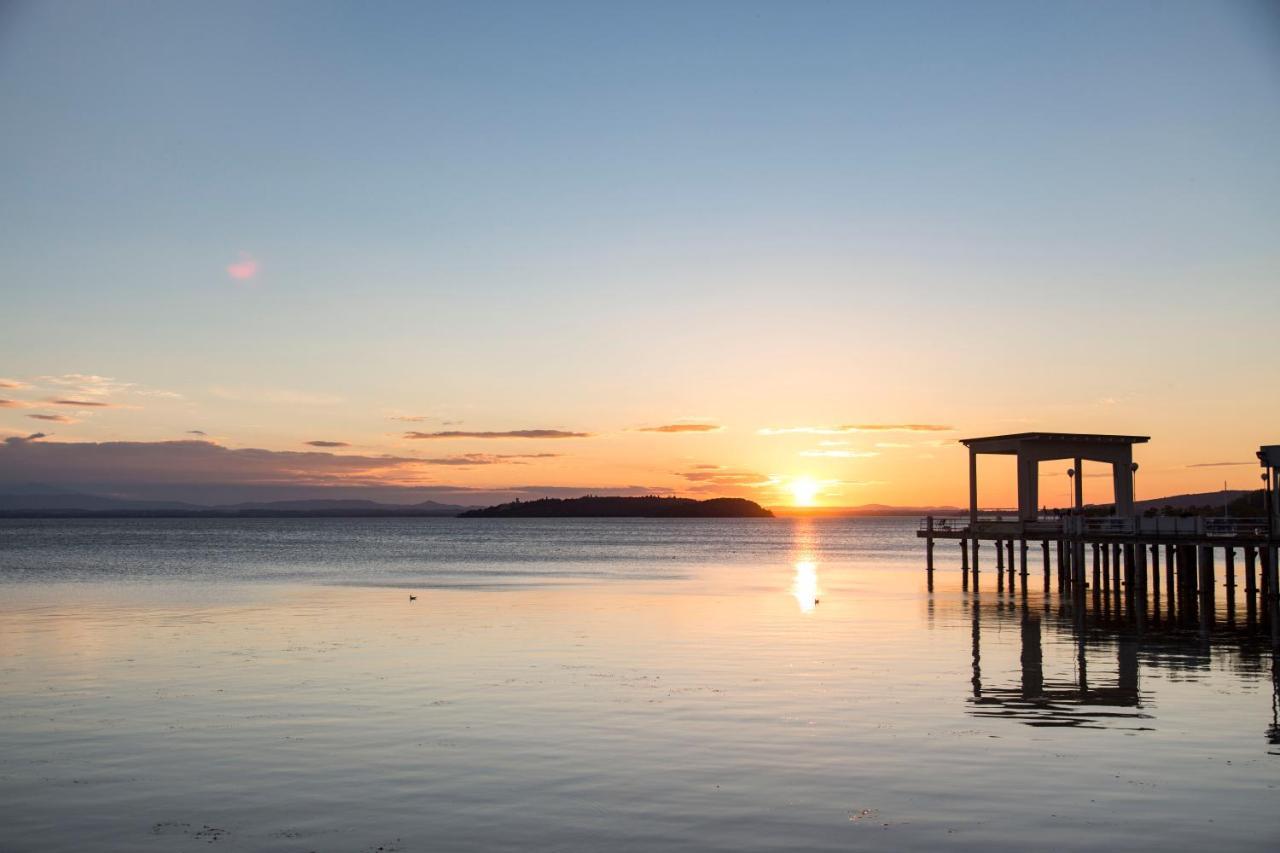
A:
x: 1163, y: 526
x: 1229, y: 527
x: 987, y: 521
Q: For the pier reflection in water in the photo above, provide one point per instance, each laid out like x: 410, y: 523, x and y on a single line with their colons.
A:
x: 1100, y: 685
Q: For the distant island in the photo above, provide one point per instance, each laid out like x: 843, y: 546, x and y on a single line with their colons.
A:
x: 604, y: 507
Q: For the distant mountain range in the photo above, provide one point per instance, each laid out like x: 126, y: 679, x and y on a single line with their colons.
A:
x: 45, y: 502
x: 38, y: 501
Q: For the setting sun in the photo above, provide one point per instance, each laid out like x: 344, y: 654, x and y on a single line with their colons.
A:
x: 804, y: 490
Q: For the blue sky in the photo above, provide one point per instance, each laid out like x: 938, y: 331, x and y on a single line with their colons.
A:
x: 593, y: 216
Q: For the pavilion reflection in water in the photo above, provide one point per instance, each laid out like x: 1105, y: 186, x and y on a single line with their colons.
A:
x: 1101, y: 687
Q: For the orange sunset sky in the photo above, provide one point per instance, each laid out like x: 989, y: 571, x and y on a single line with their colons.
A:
x: 434, y: 254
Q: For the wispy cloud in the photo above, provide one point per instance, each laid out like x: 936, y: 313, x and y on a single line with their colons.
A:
x: 1217, y: 464
x: 85, y: 404
x: 204, y: 463
x: 840, y: 454
x: 891, y: 445
x: 87, y: 384
x: 245, y: 269
x: 845, y: 429
x: 14, y: 404
x: 196, y: 432
x: 467, y: 459
x: 92, y: 385
x: 57, y: 419
x: 412, y: 419
x: 321, y: 443
x: 11, y: 383
x: 512, y: 433
x: 197, y: 461
x: 682, y: 427
x: 727, y: 477
x: 14, y: 440
x: 901, y: 428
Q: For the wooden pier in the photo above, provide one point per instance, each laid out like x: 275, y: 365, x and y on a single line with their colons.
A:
x: 1123, y: 560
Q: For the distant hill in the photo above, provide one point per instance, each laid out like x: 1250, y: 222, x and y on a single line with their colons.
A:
x: 608, y: 507
x: 34, y: 500
x: 45, y: 502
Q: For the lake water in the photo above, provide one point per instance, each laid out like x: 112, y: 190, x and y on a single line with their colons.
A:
x: 583, y: 685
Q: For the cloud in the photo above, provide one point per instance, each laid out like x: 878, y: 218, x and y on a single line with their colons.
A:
x: 206, y: 472
x: 92, y: 385
x: 11, y: 383
x: 24, y: 439
x: 724, y: 477
x: 683, y: 427
x: 195, y: 461
x: 901, y: 428
x: 57, y: 419
x: 412, y: 419
x: 840, y: 454
x: 1217, y: 464
x: 488, y: 458
x: 889, y: 445
x: 844, y: 429
x: 244, y: 269
x: 327, y: 443
x: 87, y: 384
x: 85, y: 404
x: 14, y: 404
x: 196, y: 432
x: 514, y: 433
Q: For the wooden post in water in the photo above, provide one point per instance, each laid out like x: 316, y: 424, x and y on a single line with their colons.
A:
x: 1139, y: 552
x: 928, y: 547
x: 1062, y: 582
x: 999, y: 555
x: 1250, y: 585
x: 1271, y: 589
x: 1130, y: 578
x: 1044, y: 551
x: 1022, y: 564
x: 1116, y: 590
x: 1155, y: 580
x: 1191, y: 576
x: 1106, y: 570
x: 1009, y: 542
x: 1229, y: 558
x: 1170, y: 584
x: 1207, y: 584
x: 1097, y: 567
x: 1077, y: 577
x: 1264, y: 585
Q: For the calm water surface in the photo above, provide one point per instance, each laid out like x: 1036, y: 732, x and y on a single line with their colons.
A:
x: 581, y: 685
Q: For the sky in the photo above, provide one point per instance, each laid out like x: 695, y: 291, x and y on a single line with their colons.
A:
x: 478, y: 251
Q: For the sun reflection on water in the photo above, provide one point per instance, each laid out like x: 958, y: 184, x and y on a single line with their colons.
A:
x: 805, y: 585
